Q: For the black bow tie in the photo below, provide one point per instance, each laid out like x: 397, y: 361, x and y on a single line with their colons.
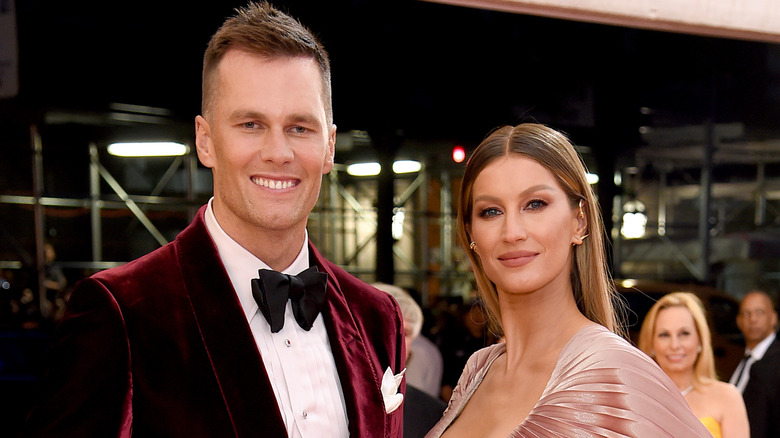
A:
x: 306, y: 291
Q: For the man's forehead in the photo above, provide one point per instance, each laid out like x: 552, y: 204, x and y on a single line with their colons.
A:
x: 754, y: 300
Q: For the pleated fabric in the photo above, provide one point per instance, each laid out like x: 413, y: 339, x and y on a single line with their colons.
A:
x: 601, y: 386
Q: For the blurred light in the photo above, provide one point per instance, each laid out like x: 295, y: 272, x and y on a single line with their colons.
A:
x: 628, y: 283
x: 406, y: 166
x: 364, y: 169
x: 398, y: 223
x: 458, y: 154
x: 634, y: 220
x: 592, y: 178
x: 373, y: 168
x: 148, y: 149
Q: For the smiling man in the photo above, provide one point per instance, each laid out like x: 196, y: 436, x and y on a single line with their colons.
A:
x: 199, y: 338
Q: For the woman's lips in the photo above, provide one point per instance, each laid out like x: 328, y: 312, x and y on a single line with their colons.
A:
x: 516, y: 258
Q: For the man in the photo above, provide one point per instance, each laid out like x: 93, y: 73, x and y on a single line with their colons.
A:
x: 758, y: 374
x: 173, y: 344
x: 421, y: 410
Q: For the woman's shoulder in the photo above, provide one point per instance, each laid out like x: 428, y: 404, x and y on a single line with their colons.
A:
x: 600, y: 344
x: 599, y: 372
x: 484, y: 356
x: 596, y: 356
x: 720, y: 390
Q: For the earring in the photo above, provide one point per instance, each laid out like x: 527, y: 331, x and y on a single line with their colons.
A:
x: 582, y: 216
x: 582, y: 240
x: 472, y: 245
x: 698, y: 350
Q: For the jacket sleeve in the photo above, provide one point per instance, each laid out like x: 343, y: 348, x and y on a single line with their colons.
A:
x: 87, y: 388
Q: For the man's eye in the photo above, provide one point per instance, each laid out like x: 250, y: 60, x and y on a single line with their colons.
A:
x: 250, y: 125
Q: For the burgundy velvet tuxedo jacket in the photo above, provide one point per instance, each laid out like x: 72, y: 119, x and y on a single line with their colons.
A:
x: 160, y: 347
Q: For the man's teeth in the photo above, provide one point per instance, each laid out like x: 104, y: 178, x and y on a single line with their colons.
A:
x: 273, y: 184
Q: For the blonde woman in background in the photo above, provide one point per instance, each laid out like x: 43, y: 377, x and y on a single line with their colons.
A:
x: 676, y: 335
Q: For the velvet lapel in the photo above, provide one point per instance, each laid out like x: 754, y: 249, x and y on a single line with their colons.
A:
x: 228, y: 340
x: 360, y: 380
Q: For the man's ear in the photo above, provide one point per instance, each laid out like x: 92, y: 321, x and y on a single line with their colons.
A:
x: 203, y: 144
x: 331, y: 152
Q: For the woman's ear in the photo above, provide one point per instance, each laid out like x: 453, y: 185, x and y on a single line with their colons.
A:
x: 581, y: 232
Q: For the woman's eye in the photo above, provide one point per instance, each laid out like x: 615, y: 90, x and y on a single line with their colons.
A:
x: 489, y: 212
x: 536, y: 204
x: 663, y: 335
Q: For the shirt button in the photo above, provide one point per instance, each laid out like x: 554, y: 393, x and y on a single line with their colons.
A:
x: 305, y: 415
x: 287, y: 343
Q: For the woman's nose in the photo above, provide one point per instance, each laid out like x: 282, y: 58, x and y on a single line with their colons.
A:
x: 514, y: 228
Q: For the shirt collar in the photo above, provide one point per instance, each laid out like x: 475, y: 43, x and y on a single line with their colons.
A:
x: 242, y: 266
x: 758, y: 352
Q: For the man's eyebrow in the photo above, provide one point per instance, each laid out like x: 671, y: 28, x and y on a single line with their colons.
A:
x: 246, y: 114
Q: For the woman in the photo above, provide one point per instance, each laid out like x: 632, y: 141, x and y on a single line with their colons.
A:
x: 525, y: 214
x: 676, y: 335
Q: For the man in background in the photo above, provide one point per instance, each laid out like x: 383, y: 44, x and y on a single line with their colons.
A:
x: 758, y: 374
x: 421, y: 410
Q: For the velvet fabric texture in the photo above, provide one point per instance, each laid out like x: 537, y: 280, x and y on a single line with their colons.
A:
x: 160, y: 347
x: 601, y: 387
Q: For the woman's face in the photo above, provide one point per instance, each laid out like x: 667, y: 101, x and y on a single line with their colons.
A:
x: 675, y: 339
x: 523, y: 225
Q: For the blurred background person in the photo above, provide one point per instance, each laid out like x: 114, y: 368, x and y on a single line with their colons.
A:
x: 56, y: 285
x: 758, y: 374
x: 424, y: 365
x: 421, y: 409
x: 676, y: 335
x: 462, y: 332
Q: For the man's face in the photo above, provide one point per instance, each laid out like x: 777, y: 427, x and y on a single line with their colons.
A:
x: 756, y: 318
x: 268, y: 143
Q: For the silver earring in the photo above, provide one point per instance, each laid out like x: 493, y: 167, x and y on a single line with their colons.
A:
x: 472, y: 245
x: 698, y: 350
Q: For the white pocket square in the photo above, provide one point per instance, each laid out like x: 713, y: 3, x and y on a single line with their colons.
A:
x: 390, y: 394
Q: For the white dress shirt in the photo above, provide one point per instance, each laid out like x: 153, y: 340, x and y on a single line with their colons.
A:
x: 744, y: 368
x: 299, y: 364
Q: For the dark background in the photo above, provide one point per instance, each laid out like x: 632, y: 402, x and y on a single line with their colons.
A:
x: 430, y: 70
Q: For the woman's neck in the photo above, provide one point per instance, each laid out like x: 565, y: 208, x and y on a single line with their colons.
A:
x: 682, y: 379
x: 539, y: 322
